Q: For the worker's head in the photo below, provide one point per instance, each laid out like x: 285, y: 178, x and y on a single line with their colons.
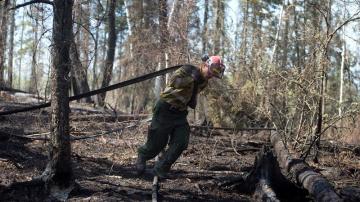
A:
x: 214, y: 67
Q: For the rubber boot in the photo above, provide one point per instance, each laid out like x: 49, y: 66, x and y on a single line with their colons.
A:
x: 140, y: 165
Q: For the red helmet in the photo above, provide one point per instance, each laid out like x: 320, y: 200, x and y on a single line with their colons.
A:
x: 216, y: 66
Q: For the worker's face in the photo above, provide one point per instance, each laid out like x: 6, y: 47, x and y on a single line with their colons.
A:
x: 215, y: 70
x: 207, y: 72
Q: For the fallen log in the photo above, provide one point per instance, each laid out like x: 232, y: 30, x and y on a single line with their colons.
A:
x: 5, y: 88
x: 15, y: 95
x: 108, y: 118
x: 350, y: 194
x: 6, y: 133
x: 317, y: 186
x: 44, y: 136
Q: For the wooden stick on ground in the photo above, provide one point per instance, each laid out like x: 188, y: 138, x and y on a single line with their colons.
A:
x: 313, y: 182
x: 155, y: 185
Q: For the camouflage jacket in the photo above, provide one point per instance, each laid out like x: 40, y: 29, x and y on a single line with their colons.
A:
x: 183, y: 87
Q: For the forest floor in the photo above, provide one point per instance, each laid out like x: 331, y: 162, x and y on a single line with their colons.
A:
x: 104, y: 165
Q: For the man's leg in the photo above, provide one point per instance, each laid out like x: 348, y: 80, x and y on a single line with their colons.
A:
x: 179, y: 140
x: 156, y: 141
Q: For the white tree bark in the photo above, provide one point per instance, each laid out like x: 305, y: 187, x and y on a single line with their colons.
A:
x: 21, y: 48
x: 157, y: 87
x: 171, y: 15
x: 343, y: 55
x: 167, y: 77
x: 170, y: 30
x: 127, y: 11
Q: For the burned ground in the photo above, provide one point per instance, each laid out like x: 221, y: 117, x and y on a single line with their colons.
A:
x: 104, y: 165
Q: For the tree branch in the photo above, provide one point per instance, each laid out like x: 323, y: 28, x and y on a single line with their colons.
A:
x: 351, y: 19
x: 32, y: 2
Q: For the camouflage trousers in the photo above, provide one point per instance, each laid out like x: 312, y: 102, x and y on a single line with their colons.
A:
x: 168, y: 126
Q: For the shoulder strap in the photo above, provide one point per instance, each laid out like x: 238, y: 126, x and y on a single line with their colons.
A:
x: 195, y: 73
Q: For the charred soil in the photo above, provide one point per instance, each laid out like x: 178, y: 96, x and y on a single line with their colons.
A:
x: 104, y: 164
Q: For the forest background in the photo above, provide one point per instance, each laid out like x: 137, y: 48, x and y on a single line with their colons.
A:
x: 292, y: 65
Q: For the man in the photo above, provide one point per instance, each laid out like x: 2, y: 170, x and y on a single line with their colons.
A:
x: 169, y: 114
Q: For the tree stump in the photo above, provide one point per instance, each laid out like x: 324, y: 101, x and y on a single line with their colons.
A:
x: 266, y: 182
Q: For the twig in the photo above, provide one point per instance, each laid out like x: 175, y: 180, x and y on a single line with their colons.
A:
x: 238, y: 150
x: 197, y: 186
x: 307, y: 152
x: 215, y: 172
x: 32, y: 2
x: 351, y: 19
x: 5, y: 160
x: 230, y: 128
x: 74, y: 138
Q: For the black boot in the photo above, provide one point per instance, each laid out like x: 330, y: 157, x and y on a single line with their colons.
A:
x: 140, y: 165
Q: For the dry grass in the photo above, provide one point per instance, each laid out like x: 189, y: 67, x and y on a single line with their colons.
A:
x: 347, y: 132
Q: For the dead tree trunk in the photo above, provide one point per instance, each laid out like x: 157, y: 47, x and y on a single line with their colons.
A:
x: 3, y: 36
x: 110, y: 55
x: 303, y: 175
x: 261, y: 176
x: 273, y: 178
x: 79, y: 75
x: 204, y: 33
x: 79, y: 70
x: 33, y: 87
x: 220, y: 22
x: 350, y: 194
x: 11, y: 47
x: 59, y: 169
x: 266, y: 182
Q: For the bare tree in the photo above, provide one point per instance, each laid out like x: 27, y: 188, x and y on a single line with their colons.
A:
x: 110, y: 55
x: 278, y: 29
x: 33, y: 87
x: 343, y: 58
x: 11, y: 47
x: 21, y: 48
x: 285, y: 37
x: 79, y: 71
x: 4, y: 6
x: 59, y: 169
x: 164, y: 38
x: 204, y: 33
x: 219, y: 22
x: 97, y: 13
